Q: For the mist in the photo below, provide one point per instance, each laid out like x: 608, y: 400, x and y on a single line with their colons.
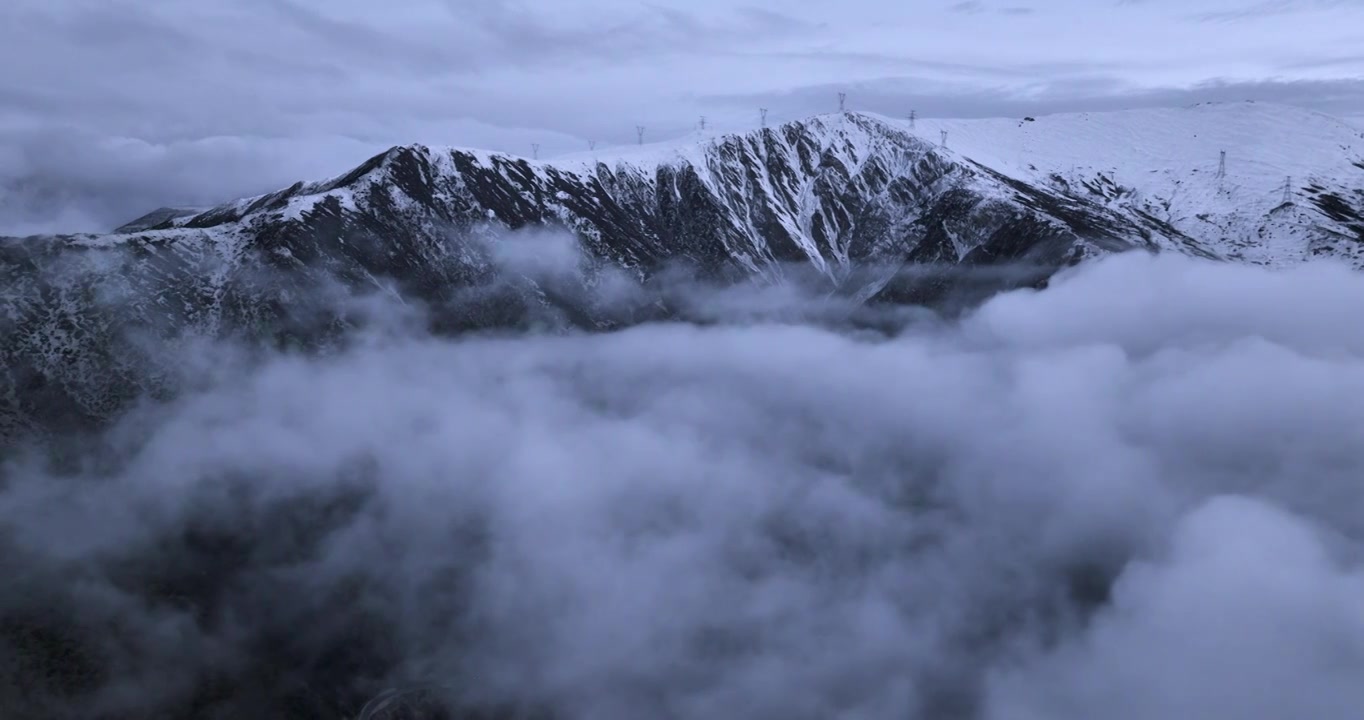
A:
x: 1134, y: 494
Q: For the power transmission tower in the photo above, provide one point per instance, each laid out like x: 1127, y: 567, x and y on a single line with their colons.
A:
x: 1222, y: 166
x: 842, y: 101
x: 535, y: 151
x: 639, y: 131
x: 1288, y: 190
x: 763, y: 113
x: 703, y: 123
x: 591, y: 144
x: 913, y: 115
x: 944, y: 138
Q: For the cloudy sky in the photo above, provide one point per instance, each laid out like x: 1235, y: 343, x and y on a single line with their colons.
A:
x: 110, y: 108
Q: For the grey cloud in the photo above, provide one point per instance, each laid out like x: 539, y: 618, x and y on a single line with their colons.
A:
x: 66, y: 179
x: 273, y: 66
x: 70, y: 181
x: 1070, y: 504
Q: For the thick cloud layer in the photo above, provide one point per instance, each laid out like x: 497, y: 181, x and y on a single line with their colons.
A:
x: 1134, y: 495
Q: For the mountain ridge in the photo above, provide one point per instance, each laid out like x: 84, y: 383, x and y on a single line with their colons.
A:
x: 1334, y: 207
x: 864, y: 204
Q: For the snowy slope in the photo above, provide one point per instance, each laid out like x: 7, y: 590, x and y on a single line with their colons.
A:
x: 1166, y: 163
x: 1291, y: 189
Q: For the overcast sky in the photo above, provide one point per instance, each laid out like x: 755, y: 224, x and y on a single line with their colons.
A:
x: 109, y: 108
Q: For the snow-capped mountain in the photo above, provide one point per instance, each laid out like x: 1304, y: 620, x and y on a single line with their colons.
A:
x: 852, y: 198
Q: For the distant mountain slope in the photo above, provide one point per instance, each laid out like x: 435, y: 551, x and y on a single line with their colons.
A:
x: 1164, y: 163
x: 853, y: 199
x: 156, y: 217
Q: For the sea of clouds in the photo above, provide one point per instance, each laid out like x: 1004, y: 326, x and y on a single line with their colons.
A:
x: 1133, y: 495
